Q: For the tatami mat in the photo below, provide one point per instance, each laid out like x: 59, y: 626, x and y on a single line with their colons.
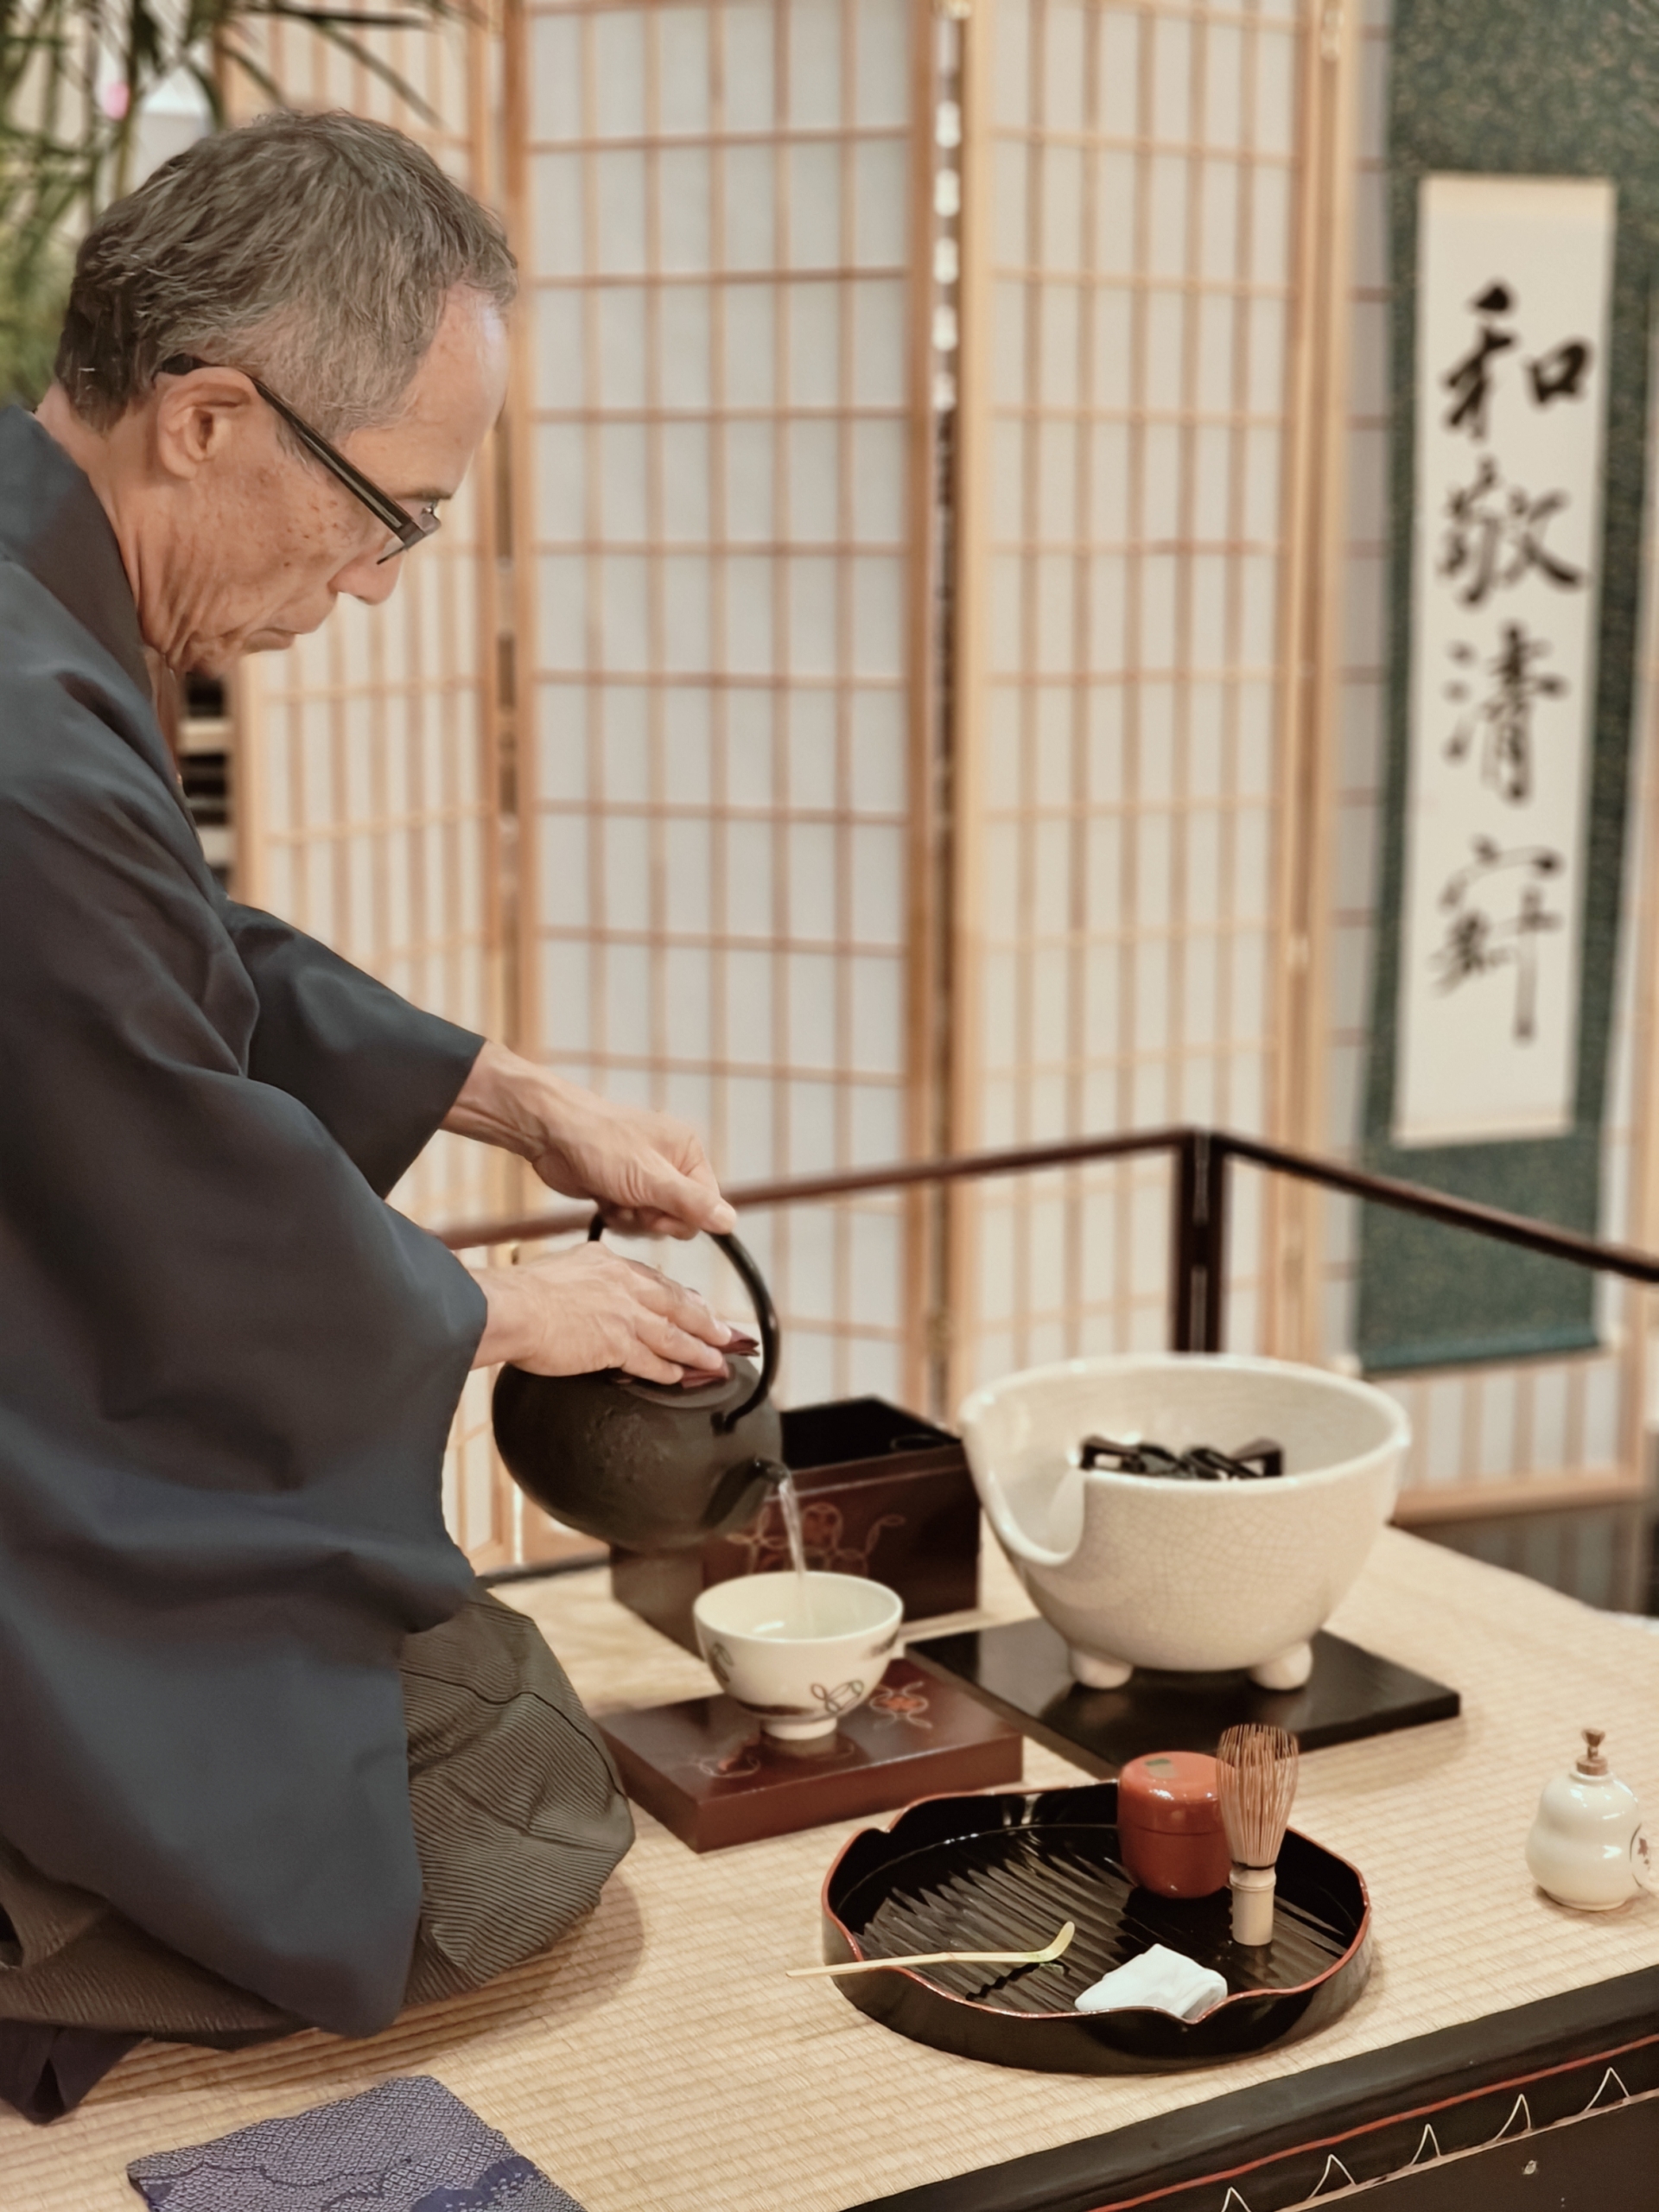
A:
x: 659, y: 2062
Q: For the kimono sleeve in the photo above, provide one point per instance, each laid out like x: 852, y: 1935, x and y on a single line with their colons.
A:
x: 378, y: 1073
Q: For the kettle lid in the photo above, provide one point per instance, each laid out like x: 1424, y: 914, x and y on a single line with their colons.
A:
x: 716, y: 1397
x: 744, y: 1388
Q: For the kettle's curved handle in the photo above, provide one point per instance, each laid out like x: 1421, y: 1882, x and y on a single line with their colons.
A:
x: 765, y: 1314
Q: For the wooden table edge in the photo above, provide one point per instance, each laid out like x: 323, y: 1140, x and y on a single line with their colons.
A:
x: 1322, y: 2103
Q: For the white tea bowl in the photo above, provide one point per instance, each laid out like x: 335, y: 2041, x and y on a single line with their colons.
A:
x: 1153, y: 1571
x: 798, y: 1671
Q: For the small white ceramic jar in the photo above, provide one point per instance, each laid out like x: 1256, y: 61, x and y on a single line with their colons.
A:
x: 1583, y: 1844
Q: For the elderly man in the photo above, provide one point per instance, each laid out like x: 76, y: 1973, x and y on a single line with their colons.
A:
x: 268, y: 1755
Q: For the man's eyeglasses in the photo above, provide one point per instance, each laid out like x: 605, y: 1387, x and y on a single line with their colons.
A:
x: 408, y: 529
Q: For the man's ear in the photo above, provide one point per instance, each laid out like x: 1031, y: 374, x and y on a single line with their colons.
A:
x: 199, y: 416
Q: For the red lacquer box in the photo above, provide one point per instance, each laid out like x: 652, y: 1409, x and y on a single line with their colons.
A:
x: 1169, y: 1822
x: 883, y: 1493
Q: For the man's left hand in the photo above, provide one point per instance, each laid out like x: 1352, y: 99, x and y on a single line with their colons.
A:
x: 646, y: 1172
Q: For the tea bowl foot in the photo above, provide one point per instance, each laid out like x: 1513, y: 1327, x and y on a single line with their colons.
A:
x: 1286, y: 1670
x: 1096, y: 1672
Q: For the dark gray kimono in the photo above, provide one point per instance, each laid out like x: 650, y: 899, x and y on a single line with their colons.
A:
x: 227, y: 1367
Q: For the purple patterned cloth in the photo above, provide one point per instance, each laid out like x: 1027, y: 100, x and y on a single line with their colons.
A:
x: 408, y: 2146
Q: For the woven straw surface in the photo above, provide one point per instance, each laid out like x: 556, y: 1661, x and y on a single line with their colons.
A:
x: 659, y: 2061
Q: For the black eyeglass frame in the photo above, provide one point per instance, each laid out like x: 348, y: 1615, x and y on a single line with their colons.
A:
x: 407, y: 530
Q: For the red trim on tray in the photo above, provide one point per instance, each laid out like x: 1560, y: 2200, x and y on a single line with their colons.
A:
x: 973, y: 2004
x: 1391, y: 2119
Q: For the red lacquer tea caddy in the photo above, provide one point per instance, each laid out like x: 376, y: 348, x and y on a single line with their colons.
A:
x: 1169, y: 1821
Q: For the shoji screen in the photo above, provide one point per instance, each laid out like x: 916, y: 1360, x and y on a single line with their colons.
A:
x: 720, y: 530
x: 364, y: 769
x: 1131, y: 182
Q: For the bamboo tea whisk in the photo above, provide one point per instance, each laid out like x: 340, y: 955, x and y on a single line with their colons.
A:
x: 1256, y: 1781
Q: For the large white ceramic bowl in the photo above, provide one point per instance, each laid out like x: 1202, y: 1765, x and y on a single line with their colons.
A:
x: 1144, y: 1571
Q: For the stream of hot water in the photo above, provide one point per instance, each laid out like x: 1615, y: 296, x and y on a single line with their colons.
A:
x: 789, y: 1504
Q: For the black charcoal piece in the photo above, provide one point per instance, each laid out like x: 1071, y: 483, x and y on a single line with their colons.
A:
x: 1258, y: 1461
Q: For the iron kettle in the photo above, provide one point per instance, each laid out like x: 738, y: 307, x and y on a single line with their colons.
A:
x: 649, y: 1467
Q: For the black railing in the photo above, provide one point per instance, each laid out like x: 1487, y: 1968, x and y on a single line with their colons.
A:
x: 1202, y: 1161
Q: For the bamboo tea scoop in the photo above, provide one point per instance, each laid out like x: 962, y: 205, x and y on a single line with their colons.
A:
x: 1061, y: 1942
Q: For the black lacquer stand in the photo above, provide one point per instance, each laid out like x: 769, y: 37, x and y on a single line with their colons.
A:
x: 1020, y: 1671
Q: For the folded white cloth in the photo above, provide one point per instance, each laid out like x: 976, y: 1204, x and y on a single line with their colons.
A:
x: 1165, y: 1980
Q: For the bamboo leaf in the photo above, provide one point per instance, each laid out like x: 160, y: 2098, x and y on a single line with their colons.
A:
x: 363, y: 55
x: 257, y: 74
x: 206, y: 83
x: 62, y: 157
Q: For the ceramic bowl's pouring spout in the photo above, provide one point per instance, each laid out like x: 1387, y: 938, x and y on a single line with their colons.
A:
x: 1037, y: 1509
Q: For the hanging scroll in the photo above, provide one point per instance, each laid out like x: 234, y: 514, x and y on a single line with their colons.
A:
x: 1523, y: 178
x: 1514, y: 285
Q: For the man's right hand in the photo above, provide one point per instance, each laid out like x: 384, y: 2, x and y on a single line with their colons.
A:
x: 587, y: 1309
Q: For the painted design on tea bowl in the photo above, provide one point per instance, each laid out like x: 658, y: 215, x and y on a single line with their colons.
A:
x: 837, y: 1701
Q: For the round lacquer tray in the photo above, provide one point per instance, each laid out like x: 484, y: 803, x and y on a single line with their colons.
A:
x: 1001, y: 1872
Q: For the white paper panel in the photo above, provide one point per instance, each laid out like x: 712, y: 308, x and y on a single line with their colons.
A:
x: 1140, y: 235
x: 717, y: 241
x: 366, y: 801
x: 367, y: 812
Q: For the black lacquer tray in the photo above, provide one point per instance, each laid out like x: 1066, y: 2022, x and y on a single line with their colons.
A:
x: 1020, y: 1670
x: 1002, y: 1873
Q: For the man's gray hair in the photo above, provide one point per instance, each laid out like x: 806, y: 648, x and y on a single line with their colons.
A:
x: 315, y: 250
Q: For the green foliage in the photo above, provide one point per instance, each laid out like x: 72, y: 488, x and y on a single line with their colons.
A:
x: 64, y: 157
x: 32, y: 293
